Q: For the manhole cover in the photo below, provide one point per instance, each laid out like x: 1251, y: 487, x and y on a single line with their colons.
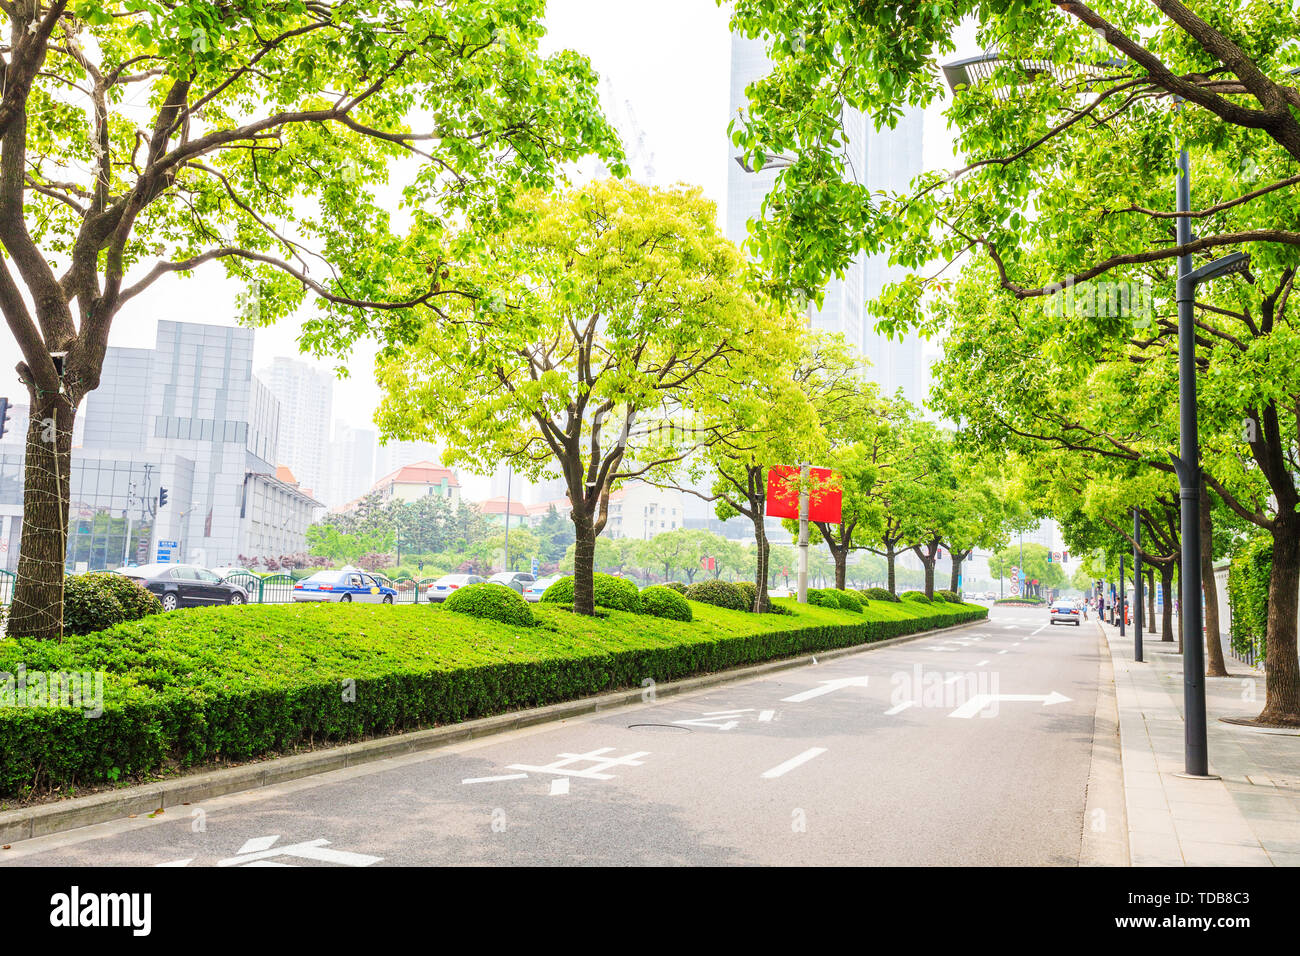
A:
x: 658, y: 729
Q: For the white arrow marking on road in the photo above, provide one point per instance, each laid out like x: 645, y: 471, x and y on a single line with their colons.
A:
x: 508, y: 776
x: 184, y: 862
x: 793, y: 762
x: 258, y: 844
x: 826, y: 688
x: 309, y: 850
x: 899, y: 708
x: 980, y: 701
x: 941, y: 649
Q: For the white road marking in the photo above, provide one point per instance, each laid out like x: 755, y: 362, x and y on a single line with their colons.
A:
x: 1004, y: 650
x: 826, y: 688
x: 981, y: 663
x: 899, y: 708
x: 1010, y: 627
x: 952, y: 679
x: 766, y: 715
x: 559, y: 786
x: 716, y: 720
x: 508, y: 776
x: 308, y: 850
x: 258, y: 844
x: 1044, y: 627
x: 563, y: 767
x: 803, y: 758
x: 738, y: 710
x: 977, y: 703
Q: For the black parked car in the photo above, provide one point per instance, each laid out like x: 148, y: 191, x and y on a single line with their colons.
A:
x: 184, y: 585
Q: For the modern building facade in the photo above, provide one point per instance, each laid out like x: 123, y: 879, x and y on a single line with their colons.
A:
x: 352, y: 464
x: 306, y: 396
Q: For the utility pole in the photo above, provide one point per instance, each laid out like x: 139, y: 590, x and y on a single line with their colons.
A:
x: 509, y: 474
x: 803, y: 533
x: 1137, y: 586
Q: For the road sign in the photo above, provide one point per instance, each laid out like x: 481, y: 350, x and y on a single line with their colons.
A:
x: 534, y: 567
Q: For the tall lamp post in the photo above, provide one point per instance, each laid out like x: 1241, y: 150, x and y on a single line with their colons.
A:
x: 1137, y: 586
x: 1187, y: 464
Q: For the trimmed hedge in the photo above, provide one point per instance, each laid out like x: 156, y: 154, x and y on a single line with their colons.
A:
x: 951, y: 596
x: 880, y: 594
x: 675, y: 586
x: 749, y: 591
x: 1248, y: 595
x: 916, y: 596
x: 610, y: 592
x: 661, y: 601
x: 1025, y: 600
x: 823, y: 597
x: 233, y: 684
x: 846, y: 599
x: 493, y: 602
x: 718, y: 593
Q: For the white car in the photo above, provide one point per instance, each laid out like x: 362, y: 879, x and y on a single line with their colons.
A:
x: 533, y: 592
x: 343, y: 585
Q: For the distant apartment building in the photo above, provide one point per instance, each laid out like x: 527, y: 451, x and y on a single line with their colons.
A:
x: 394, y: 454
x: 639, y: 510
x: 495, y: 509
x: 352, y: 464
x: 415, y: 481
x: 306, y: 396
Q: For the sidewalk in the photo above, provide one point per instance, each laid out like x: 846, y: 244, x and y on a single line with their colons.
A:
x: 1250, y: 817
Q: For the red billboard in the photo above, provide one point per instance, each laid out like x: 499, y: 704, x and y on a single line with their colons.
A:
x: 825, y: 498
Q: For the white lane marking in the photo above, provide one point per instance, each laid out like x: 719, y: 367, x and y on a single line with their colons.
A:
x: 826, y: 688
x: 899, y: 708
x: 977, y: 703
x: 952, y: 679
x: 722, y: 720
x: 1009, y: 627
x: 559, y: 786
x: 1004, y: 650
x: 258, y: 844
x: 598, y: 757
x: 981, y: 663
x: 737, y: 710
x: 308, y: 850
x: 508, y: 776
x: 766, y: 715
x: 803, y: 758
x: 1044, y: 627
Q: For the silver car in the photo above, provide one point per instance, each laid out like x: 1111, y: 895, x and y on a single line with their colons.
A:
x: 1066, y: 611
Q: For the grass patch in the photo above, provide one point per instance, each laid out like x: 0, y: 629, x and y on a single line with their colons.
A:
x: 235, y: 683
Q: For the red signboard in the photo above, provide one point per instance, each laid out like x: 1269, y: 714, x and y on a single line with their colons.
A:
x: 825, y: 499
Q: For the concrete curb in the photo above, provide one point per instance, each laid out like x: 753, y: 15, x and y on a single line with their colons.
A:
x: 1106, y: 800
x: 28, y: 822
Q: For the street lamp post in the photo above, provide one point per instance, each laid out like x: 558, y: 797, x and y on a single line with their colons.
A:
x: 1137, y: 586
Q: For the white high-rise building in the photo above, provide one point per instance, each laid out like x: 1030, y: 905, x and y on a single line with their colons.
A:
x: 880, y: 160
x: 352, y: 464
x: 306, y: 396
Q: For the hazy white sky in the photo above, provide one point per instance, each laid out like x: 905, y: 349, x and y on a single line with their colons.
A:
x: 670, y: 60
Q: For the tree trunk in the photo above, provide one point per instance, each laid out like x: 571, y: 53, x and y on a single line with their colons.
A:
x: 954, y: 584
x: 37, y: 609
x: 763, y: 549
x: 841, y: 558
x: 929, y: 576
x: 1214, y: 663
x: 1166, y: 591
x: 889, y: 562
x: 1281, y: 666
x: 584, y: 560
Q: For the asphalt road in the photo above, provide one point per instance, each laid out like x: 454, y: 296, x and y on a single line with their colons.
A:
x: 901, y: 762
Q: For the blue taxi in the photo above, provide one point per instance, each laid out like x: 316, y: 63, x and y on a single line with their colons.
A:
x: 344, y: 585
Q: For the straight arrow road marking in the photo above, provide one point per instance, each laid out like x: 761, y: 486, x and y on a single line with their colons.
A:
x: 826, y: 688
x: 784, y: 768
x: 977, y: 703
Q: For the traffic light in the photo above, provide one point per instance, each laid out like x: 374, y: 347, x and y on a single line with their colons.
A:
x: 5, y: 408
x: 162, y: 496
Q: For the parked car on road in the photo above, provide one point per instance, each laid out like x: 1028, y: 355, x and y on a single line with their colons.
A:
x: 184, y: 585
x: 534, y: 590
x: 441, y: 589
x: 343, y: 585
x: 512, y: 579
x: 1065, y: 611
x: 225, y: 572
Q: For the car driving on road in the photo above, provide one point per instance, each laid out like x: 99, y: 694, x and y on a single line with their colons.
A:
x: 1065, y: 611
x: 184, y: 585
x: 343, y: 585
x: 441, y: 589
x: 534, y: 590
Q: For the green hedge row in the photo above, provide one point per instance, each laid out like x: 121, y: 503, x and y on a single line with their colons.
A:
x: 237, y: 683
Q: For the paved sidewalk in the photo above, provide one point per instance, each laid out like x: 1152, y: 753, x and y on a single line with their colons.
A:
x: 1250, y: 817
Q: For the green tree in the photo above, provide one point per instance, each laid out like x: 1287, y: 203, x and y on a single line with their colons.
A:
x: 600, y: 313
x: 141, y: 140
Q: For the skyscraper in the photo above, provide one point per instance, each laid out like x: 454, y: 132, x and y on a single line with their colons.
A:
x: 880, y: 160
x: 306, y: 396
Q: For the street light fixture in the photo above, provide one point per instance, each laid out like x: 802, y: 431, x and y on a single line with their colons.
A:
x: 1187, y: 464
x: 771, y: 162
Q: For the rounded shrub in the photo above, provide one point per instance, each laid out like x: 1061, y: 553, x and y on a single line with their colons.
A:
x: 951, y: 596
x: 749, y: 591
x: 675, y: 586
x: 662, y: 601
x: 823, y: 597
x: 494, y: 602
x: 879, y: 594
x: 92, y: 602
x: 718, y: 593
x: 847, y: 600
x: 916, y: 596
x: 610, y: 592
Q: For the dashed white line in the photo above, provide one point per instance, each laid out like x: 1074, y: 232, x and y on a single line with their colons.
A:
x: 509, y: 776
x: 981, y: 663
x: 559, y: 786
x: 766, y: 715
x: 1004, y: 650
x: 803, y: 758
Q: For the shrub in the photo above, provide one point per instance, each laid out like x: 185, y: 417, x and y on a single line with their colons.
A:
x: 675, y: 586
x: 749, y: 591
x: 823, y: 597
x: 93, y: 602
x: 610, y: 592
x: 1024, y: 599
x: 951, y: 596
x: 1248, y: 595
x: 879, y: 594
x: 847, y: 599
x: 718, y: 593
x: 916, y: 596
x: 663, y: 601
x: 493, y: 602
